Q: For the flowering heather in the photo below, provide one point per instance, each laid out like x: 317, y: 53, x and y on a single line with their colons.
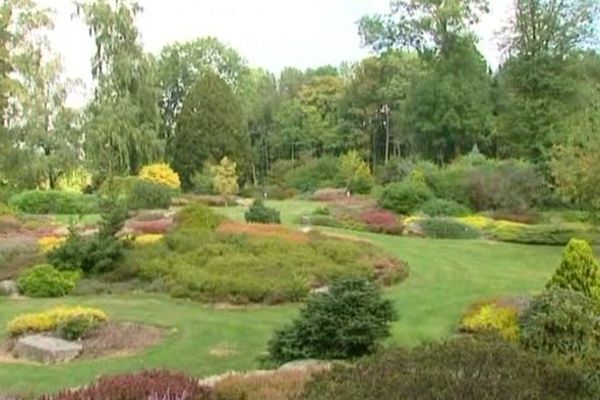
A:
x: 381, y: 221
x: 231, y: 227
x: 155, y: 227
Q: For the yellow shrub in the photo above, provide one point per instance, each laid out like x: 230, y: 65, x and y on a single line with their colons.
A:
x: 481, y: 222
x: 50, y: 320
x: 161, y: 173
x: 493, y: 318
x: 48, y: 243
x: 148, y: 239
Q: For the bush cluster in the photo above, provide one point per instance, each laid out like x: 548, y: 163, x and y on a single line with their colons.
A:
x: 46, y: 281
x: 55, y: 202
x: 157, y: 384
x: 443, y: 228
x: 197, y: 216
x: 405, y: 197
x: 52, y: 319
x: 488, y: 318
x: 262, y: 214
x: 161, y: 174
x: 349, y: 320
x: 149, y: 195
x: 443, y: 208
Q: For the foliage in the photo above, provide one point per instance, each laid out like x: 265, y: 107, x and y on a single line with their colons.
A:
x: 310, y: 174
x: 443, y: 208
x: 97, y: 254
x: 118, y: 186
x: 405, y: 197
x: 348, y: 321
x: 48, y: 243
x: 203, y: 182
x: 443, y: 228
x: 260, y: 213
x: 148, y: 239
x: 578, y: 270
x: 487, y: 318
x: 51, y: 319
x: 197, y: 216
x: 76, y: 328
x: 354, y: 173
x: 46, y: 281
x: 561, y: 321
x: 162, y: 174
x: 278, y: 385
x: 149, y: 195
x: 489, y: 369
x: 154, y: 384
x: 225, y: 178
x: 209, y: 127
x: 550, y: 234
x: 54, y: 202
x: 381, y: 221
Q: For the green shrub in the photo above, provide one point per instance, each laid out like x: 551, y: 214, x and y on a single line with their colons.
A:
x: 405, y: 197
x: 461, y: 369
x: 148, y: 195
x: 354, y: 173
x: 262, y: 214
x: 561, y: 321
x: 76, y: 328
x: 443, y: 208
x: 312, y: 174
x: 441, y: 228
x: 554, y: 234
x: 578, y: 270
x: 203, y: 182
x: 97, y: 254
x: 54, y: 202
x: 118, y: 186
x: 349, y: 320
x: 197, y: 216
x: 6, y: 210
x: 46, y: 281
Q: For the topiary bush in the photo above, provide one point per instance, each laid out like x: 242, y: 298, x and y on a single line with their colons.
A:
x: 161, y: 174
x: 163, y: 385
x: 262, y: 214
x: 197, y: 216
x: 578, y: 270
x: 149, y: 195
x: 349, y: 320
x: 443, y: 208
x: 405, y: 197
x: 46, y: 281
x: 54, y: 202
x: 442, y: 228
x: 561, y: 321
x: 460, y: 369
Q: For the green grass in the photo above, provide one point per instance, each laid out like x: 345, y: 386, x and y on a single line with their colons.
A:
x: 446, y: 277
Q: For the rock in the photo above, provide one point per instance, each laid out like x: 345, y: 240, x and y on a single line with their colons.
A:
x: 8, y: 288
x: 46, y: 349
x: 413, y: 229
x: 319, y: 290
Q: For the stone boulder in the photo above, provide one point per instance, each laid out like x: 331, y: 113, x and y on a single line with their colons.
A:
x: 8, y: 288
x: 46, y: 349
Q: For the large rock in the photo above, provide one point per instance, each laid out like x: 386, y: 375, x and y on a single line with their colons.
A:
x: 8, y: 288
x: 46, y: 349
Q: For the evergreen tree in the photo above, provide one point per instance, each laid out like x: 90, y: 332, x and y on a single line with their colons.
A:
x: 578, y: 270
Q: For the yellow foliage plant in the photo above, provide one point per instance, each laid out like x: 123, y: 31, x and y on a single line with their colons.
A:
x: 51, y: 319
x: 48, y: 243
x: 493, y: 318
x: 148, y: 239
x: 161, y: 173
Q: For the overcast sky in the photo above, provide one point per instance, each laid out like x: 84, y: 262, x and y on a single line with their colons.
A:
x: 267, y: 33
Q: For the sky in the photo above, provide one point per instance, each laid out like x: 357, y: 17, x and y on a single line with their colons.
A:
x: 268, y: 33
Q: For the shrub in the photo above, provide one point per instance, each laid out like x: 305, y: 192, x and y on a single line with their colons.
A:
x: 488, y: 318
x: 279, y: 385
x: 97, y: 254
x: 312, y: 174
x: 561, y: 321
x: 381, y: 221
x: 203, y: 182
x: 404, y: 197
x: 347, y: 321
x: 6, y: 210
x: 443, y: 208
x: 555, y: 234
x: 54, y: 202
x: 354, y: 173
x: 118, y: 186
x: 326, y: 220
x: 76, y: 328
x: 441, y: 228
x: 155, y: 227
x: 161, y: 174
x: 46, y: 281
x: 578, y: 270
x: 197, y: 216
x: 148, y: 195
x: 147, y: 239
x: 262, y: 214
x: 461, y: 369
x: 51, y: 319
x: 48, y: 243
x: 163, y: 385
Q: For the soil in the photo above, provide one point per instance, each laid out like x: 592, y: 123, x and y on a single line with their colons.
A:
x: 111, y: 339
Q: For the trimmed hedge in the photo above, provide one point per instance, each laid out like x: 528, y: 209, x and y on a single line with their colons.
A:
x: 55, y: 202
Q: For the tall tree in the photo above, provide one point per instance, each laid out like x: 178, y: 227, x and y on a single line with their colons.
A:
x: 181, y: 64
x: 209, y: 128
x: 123, y: 120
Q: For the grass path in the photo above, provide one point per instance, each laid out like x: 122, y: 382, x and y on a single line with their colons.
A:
x: 446, y: 276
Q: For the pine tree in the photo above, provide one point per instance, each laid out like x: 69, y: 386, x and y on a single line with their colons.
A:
x: 578, y: 270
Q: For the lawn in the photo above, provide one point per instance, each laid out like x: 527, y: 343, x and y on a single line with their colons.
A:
x: 446, y: 276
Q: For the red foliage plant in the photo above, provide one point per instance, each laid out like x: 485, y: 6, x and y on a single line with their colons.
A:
x: 158, y: 226
x: 381, y: 221
x: 146, y: 385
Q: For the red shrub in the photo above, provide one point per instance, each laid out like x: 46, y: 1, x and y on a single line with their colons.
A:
x: 147, y: 385
x: 381, y: 221
x: 158, y: 226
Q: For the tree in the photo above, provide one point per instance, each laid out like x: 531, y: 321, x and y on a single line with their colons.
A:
x: 123, y: 120
x: 355, y: 174
x: 225, y: 177
x: 209, y: 128
x: 180, y: 65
